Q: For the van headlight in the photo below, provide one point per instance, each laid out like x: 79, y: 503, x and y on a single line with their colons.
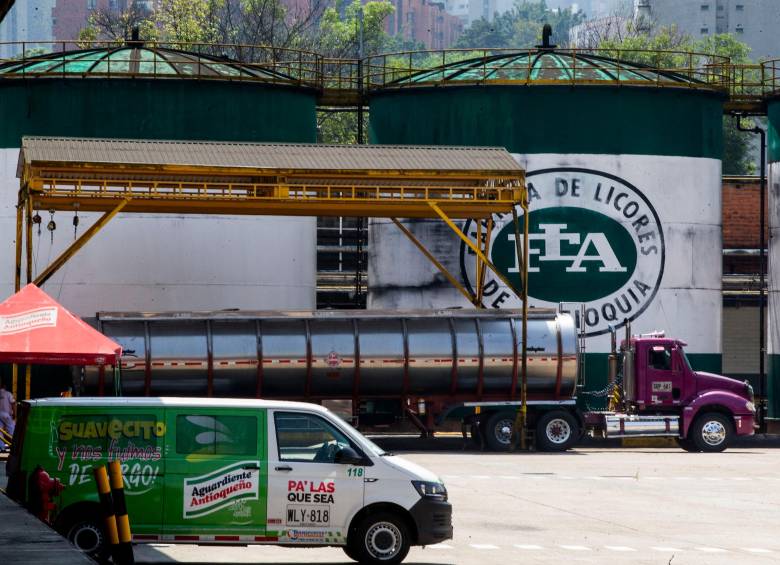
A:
x: 428, y: 489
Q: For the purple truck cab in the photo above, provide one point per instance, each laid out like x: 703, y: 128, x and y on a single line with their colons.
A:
x: 711, y: 408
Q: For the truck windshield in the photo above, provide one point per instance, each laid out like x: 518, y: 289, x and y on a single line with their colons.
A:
x: 685, y: 358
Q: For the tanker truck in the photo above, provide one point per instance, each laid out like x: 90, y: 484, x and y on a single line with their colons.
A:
x: 428, y: 368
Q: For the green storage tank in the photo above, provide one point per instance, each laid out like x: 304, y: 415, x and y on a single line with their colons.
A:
x: 624, y: 174
x: 167, y: 262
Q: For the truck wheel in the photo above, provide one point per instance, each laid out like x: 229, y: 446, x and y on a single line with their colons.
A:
x: 687, y: 445
x: 86, y: 534
x: 497, y: 431
x: 380, y: 538
x: 556, y: 431
x: 711, y: 432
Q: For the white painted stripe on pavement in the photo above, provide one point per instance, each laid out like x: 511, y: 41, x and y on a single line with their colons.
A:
x: 711, y: 549
x: 619, y: 548
x: 575, y: 547
x: 528, y: 546
x: 508, y: 477
x: 483, y: 546
x: 481, y: 477
x: 440, y: 546
x: 667, y: 549
x: 757, y: 550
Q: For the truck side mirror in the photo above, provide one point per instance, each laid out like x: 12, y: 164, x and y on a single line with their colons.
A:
x: 348, y: 456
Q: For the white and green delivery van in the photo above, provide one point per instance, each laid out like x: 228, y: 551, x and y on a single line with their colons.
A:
x: 210, y: 471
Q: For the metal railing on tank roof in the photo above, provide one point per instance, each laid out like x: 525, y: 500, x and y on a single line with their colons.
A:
x: 161, y: 60
x: 771, y: 77
x: 547, y: 66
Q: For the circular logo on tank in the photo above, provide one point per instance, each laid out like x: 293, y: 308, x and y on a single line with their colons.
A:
x: 594, y: 239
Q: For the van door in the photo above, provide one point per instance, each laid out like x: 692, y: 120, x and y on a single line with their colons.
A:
x: 216, y: 474
x: 311, y: 497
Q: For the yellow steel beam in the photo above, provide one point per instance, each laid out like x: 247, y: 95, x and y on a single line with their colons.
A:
x: 453, y: 281
x: 20, y: 206
x: 28, y: 215
x: 474, y: 248
x: 479, y: 270
x: 79, y: 243
x: 456, y: 208
x: 485, y: 250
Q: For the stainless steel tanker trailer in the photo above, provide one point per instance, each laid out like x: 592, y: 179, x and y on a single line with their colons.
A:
x: 422, y: 366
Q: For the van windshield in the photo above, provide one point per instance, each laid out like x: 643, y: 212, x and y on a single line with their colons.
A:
x: 362, y: 440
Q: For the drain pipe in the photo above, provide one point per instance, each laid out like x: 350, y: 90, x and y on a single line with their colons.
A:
x: 762, y: 253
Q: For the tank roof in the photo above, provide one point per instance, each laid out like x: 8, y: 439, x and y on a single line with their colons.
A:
x: 560, y: 66
x: 139, y: 60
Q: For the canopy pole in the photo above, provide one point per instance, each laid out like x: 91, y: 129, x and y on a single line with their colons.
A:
x: 15, y: 380
x: 471, y: 298
x: 474, y: 248
x: 27, y: 379
x: 79, y: 243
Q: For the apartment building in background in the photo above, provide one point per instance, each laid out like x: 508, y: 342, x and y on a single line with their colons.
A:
x: 26, y: 21
x: 424, y: 21
x: 755, y: 22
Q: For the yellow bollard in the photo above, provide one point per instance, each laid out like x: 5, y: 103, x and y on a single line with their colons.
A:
x: 106, y: 506
x: 124, y: 554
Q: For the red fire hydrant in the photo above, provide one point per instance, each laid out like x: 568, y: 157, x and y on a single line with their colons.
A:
x: 46, y: 489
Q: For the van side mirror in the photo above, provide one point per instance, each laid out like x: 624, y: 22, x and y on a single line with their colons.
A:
x: 348, y: 456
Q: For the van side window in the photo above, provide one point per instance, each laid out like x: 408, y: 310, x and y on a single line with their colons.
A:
x: 306, y: 437
x: 216, y: 435
x: 89, y: 437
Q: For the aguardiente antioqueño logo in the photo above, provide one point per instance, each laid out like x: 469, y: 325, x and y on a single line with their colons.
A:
x: 593, y: 239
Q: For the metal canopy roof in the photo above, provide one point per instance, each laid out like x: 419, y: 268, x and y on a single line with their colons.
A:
x: 264, y: 158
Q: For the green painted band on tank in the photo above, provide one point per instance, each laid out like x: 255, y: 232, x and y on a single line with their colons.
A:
x: 773, y: 139
x: 773, y: 385
x: 553, y: 119
x: 155, y: 109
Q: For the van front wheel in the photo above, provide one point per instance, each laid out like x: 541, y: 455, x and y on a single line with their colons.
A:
x: 379, y: 539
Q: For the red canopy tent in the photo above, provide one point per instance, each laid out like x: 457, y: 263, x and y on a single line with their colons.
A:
x: 34, y: 328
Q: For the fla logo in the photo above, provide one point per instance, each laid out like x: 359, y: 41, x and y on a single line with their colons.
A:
x: 593, y: 238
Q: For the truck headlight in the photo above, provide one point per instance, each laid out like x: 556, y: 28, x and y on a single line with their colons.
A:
x: 750, y: 407
x: 428, y: 489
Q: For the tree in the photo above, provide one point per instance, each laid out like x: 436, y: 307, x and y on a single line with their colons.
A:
x: 521, y: 27
x: 113, y: 25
